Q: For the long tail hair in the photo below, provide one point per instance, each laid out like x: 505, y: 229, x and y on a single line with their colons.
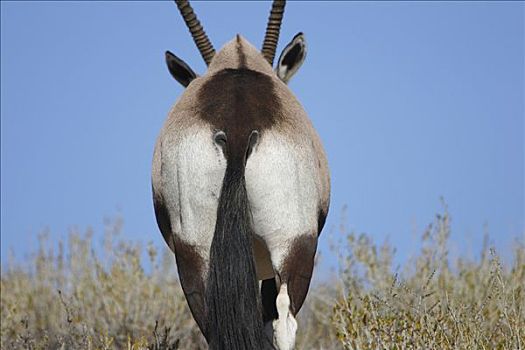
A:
x: 233, y: 302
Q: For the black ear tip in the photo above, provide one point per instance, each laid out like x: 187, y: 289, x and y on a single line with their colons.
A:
x: 168, y: 54
x: 299, y: 35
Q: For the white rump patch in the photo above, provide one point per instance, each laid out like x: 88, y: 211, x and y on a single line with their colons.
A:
x: 192, y: 173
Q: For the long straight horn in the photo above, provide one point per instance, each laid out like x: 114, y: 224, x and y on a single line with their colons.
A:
x: 197, y: 32
x: 272, y: 30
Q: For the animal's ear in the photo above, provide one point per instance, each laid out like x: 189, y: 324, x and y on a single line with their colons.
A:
x: 291, y: 58
x: 179, y: 69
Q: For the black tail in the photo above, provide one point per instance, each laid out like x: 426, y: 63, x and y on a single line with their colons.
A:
x: 233, y: 304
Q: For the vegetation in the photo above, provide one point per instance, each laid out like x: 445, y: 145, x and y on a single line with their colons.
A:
x: 434, y: 302
x: 126, y: 296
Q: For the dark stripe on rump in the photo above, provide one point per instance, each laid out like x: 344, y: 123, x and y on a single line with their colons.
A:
x: 297, y: 269
x: 163, y: 220
x: 190, y: 266
x: 321, y: 219
x: 238, y: 101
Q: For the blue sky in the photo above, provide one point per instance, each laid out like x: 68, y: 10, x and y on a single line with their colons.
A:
x: 413, y: 101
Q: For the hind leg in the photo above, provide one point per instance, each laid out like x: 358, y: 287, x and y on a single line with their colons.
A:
x: 285, y: 326
x: 269, y: 309
x: 190, y: 265
x: 268, y: 296
x: 294, y: 275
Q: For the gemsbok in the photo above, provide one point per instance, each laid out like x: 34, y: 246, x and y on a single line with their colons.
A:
x: 241, y: 188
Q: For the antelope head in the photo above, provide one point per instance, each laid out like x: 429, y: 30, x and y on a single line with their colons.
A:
x: 290, y: 60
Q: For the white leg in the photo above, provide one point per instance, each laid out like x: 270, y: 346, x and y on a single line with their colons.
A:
x: 285, y: 327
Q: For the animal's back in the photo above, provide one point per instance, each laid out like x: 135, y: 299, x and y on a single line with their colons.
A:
x: 238, y: 143
x: 286, y: 172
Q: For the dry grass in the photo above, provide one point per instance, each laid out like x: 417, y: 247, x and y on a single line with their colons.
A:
x: 75, y: 298
x: 434, y: 302
x: 124, y: 296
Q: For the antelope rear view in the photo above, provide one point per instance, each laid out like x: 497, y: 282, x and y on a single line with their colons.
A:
x: 241, y: 188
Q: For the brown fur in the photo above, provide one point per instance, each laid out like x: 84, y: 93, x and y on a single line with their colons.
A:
x: 239, y: 71
x: 297, y: 269
x: 295, y: 123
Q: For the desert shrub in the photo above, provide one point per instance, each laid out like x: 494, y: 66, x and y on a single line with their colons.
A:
x: 73, y: 298
x: 117, y: 294
x: 68, y: 295
x: 434, y: 301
